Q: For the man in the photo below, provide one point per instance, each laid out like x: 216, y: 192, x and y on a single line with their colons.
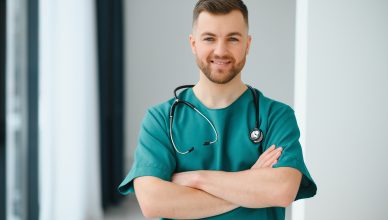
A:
x: 229, y: 178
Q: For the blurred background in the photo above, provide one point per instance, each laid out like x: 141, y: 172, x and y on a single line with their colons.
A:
x: 76, y: 78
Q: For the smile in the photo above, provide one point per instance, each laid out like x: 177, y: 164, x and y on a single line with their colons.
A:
x: 220, y: 62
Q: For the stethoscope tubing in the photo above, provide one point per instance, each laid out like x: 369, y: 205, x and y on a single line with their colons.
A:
x: 176, y: 102
x: 256, y: 135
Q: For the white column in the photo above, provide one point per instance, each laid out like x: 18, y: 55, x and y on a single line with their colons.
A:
x: 68, y: 111
x: 298, y: 207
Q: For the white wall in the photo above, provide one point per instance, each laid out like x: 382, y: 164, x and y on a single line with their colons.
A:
x: 347, y: 109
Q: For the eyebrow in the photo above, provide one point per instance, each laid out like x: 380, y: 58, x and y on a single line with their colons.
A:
x: 230, y: 34
x: 208, y: 34
x: 235, y: 33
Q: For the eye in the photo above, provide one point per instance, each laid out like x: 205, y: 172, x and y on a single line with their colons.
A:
x: 234, y: 39
x: 209, y: 39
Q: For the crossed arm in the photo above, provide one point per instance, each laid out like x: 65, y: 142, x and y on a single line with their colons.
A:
x: 200, y: 194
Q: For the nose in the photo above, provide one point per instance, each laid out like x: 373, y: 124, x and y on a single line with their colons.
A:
x: 220, y: 49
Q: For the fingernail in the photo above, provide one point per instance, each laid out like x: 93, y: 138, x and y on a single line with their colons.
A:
x: 280, y: 148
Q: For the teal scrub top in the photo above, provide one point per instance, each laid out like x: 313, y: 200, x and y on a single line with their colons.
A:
x: 234, y: 151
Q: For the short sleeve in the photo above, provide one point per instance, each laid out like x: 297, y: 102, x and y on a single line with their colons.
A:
x: 153, y: 155
x: 283, y: 131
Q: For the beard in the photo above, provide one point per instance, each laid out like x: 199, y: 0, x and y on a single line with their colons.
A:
x: 217, y: 75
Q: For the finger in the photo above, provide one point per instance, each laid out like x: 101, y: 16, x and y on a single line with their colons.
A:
x: 256, y: 165
x: 269, y: 163
x: 264, y: 157
x: 271, y: 154
x: 265, y: 160
x: 270, y: 149
x: 274, y: 163
x: 272, y: 157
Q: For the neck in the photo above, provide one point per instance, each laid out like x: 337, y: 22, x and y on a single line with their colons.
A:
x: 214, y: 95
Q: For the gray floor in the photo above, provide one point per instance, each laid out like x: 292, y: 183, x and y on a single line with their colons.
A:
x: 128, y: 210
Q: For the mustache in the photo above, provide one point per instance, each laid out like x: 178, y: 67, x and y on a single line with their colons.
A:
x: 226, y: 57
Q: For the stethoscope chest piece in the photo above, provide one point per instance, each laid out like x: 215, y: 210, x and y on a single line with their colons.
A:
x: 256, y: 136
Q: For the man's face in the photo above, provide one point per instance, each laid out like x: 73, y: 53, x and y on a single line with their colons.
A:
x: 220, y: 44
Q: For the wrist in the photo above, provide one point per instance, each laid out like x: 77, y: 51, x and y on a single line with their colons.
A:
x: 198, y: 179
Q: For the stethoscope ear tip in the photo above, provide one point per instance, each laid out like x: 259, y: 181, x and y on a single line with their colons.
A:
x: 191, y: 149
x: 206, y: 143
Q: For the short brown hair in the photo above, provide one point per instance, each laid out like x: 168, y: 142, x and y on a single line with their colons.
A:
x: 220, y: 7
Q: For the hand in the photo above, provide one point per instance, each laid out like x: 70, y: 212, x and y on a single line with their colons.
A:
x: 189, y: 178
x: 268, y: 158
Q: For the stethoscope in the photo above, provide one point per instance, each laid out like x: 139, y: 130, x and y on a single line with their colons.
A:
x: 256, y: 135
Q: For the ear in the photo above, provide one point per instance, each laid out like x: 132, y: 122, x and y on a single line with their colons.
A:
x: 249, y: 43
x: 192, y: 43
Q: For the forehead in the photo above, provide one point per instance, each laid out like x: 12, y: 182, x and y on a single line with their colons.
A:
x: 221, y: 23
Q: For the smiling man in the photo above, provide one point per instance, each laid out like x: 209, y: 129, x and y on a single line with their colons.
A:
x: 253, y: 166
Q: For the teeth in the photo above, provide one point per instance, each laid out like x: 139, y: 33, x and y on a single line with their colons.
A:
x: 220, y: 62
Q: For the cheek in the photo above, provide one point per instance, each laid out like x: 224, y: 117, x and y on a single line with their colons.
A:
x: 202, y: 52
x: 240, y: 53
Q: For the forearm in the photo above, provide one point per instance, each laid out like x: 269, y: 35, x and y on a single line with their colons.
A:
x: 162, y: 199
x: 256, y: 188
